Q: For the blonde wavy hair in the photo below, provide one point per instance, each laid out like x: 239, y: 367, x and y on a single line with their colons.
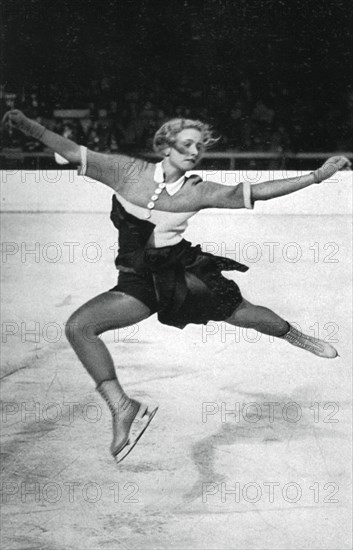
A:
x: 167, y: 134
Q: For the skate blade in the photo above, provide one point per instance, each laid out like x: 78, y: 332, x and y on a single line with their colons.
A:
x: 328, y: 352
x: 138, y: 427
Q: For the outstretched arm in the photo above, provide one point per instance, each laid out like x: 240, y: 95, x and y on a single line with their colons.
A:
x: 65, y: 147
x: 277, y: 188
x: 244, y: 195
x: 112, y: 170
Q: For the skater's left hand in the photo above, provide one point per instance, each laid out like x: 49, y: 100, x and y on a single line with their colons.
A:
x: 331, y: 166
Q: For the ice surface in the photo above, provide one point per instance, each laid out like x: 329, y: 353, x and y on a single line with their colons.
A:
x: 172, y: 490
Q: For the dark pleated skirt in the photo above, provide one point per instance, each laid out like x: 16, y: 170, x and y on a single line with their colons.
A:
x: 181, y: 283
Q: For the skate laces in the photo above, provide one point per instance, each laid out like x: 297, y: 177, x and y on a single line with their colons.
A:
x: 304, y: 341
x: 122, y: 405
x: 308, y: 343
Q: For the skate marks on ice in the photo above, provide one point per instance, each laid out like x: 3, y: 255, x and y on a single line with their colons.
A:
x: 270, y: 433
x: 67, y: 301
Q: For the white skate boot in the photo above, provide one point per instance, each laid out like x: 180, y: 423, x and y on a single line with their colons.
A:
x: 130, y: 418
x: 309, y: 343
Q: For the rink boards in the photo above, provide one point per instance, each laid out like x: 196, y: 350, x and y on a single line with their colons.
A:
x: 65, y: 191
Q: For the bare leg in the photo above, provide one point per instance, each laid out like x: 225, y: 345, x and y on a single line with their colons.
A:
x: 108, y: 311
x: 266, y: 321
x: 260, y: 318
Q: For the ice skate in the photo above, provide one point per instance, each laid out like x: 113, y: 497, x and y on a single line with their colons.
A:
x: 309, y: 343
x: 137, y: 428
x: 130, y: 419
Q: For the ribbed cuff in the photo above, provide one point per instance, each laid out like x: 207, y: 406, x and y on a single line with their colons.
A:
x: 247, y: 195
x: 82, y: 169
x: 317, y: 179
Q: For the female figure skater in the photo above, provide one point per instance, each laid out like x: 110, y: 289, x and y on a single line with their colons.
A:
x: 160, y: 271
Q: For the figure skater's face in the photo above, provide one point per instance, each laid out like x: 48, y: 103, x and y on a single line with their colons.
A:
x: 187, y: 150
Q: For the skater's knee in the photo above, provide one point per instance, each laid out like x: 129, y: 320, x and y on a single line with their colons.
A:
x: 243, y: 309
x: 244, y: 304
x: 79, y: 327
x: 72, y: 327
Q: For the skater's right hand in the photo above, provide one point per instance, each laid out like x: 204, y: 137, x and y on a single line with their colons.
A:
x: 330, y: 167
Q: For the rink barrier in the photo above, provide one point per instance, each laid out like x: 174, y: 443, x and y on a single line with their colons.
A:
x: 231, y: 157
x: 65, y: 191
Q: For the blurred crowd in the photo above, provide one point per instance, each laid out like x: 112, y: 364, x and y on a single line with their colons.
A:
x: 108, y: 119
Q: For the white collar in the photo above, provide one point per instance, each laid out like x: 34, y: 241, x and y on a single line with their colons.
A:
x: 172, y: 187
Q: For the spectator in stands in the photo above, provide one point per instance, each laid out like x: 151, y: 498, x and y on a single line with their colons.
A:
x: 249, y: 121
